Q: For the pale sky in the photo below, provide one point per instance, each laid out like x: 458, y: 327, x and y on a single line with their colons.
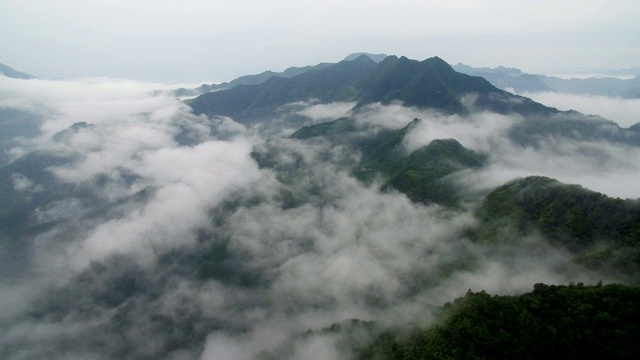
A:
x: 211, y: 41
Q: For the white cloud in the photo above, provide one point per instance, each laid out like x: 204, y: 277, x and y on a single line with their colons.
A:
x: 289, y: 251
x: 625, y: 112
x: 327, y: 112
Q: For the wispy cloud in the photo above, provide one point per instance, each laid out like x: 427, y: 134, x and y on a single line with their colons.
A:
x: 170, y: 232
x: 625, y: 112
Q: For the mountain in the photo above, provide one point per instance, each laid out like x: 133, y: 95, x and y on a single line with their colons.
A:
x: 612, y: 87
x: 571, y: 125
x: 421, y: 174
x: 249, y: 80
x: 518, y: 81
x: 573, y: 322
x: 375, y: 57
x: 431, y: 83
x: 9, y: 72
x: 427, y: 84
x: 633, y: 71
x: 248, y: 104
x: 266, y: 75
x: 603, y: 233
x: 506, y: 78
x: 215, y: 239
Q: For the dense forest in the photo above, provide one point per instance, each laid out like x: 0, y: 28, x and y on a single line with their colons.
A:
x: 551, y: 322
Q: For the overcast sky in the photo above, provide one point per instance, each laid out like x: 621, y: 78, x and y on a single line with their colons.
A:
x: 210, y: 41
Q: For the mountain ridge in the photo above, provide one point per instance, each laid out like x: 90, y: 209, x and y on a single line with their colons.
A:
x: 430, y: 83
x: 519, y: 81
x: 12, y: 73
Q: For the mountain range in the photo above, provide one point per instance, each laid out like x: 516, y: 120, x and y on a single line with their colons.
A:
x: 378, y: 189
x: 431, y: 83
x: 516, y: 80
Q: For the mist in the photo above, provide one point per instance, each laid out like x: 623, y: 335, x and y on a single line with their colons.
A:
x: 623, y: 111
x: 166, y: 239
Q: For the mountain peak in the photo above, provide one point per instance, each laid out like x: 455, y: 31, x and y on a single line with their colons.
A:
x: 431, y: 83
x: 362, y: 59
x: 436, y: 61
x: 375, y: 57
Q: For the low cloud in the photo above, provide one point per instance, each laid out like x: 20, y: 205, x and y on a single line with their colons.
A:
x: 480, y: 132
x: 168, y: 231
x: 623, y: 111
x: 326, y: 112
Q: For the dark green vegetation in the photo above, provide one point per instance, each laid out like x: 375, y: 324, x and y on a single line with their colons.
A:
x: 421, y: 174
x: 249, y: 80
x: 342, y: 221
x: 248, y: 104
x: 266, y: 75
x: 551, y: 322
x: 602, y: 232
x: 431, y: 83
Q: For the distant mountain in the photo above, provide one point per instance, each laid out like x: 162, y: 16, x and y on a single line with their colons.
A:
x: 466, y: 69
x: 431, y: 83
x: 633, y: 71
x: 518, y: 81
x: 249, y: 80
x: 266, y: 75
x: 506, y: 78
x: 375, y: 57
x: 612, y: 87
x: 571, y: 125
x: 249, y: 104
x: 9, y: 72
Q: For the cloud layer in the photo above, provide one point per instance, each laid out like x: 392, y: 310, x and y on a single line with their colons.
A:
x: 163, y: 239
x: 623, y: 111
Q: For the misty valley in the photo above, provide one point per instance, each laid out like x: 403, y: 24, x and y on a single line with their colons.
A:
x: 375, y: 208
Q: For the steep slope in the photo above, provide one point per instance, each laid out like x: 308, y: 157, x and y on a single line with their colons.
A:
x: 9, y: 72
x: 431, y: 83
x: 572, y: 322
x: 248, y: 104
x: 421, y: 174
x: 249, y: 80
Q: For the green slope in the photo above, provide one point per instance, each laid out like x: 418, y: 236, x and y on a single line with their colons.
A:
x: 602, y: 232
x: 248, y: 104
x: 421, y: 174
x: 431, y: 83
x: 551, y: 322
